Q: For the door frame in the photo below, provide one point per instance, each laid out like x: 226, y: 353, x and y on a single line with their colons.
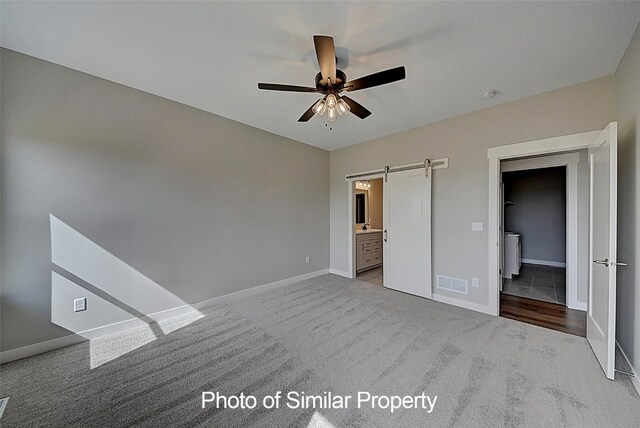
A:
x: 570, y: 162
x: 512, y: 151
x: 351, y: 241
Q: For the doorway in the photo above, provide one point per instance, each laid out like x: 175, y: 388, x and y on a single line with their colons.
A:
x: 543, y: 280
x: 534, y: 237
x: 544, y: 227
x: 405, y: 237
x: 367, y: 226
x: 601, y: 260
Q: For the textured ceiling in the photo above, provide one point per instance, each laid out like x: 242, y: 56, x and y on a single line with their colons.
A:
x: 211, y: 55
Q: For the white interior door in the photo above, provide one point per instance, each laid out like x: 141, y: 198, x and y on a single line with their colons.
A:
x: 407, y: 232
x: 601, y: 313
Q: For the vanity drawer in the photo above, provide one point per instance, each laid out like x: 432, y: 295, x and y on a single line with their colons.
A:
x: 372, y: 243
x: 371, y: 259
x: 372, y: 249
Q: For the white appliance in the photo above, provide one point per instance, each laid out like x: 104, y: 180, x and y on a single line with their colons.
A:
x: 512, y: 254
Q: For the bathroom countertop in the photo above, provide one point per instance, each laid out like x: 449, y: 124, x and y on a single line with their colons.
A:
x: 358, y: 232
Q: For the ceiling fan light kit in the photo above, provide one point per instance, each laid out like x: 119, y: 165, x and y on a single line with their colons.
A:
x: 331, y: 104
x: 320, y: 107
x: 331, y: 101
x: 342, y: 107
x: 331, y: 82
x: 331, y: 114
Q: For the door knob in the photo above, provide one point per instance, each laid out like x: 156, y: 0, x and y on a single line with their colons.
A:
x: 606, y: 262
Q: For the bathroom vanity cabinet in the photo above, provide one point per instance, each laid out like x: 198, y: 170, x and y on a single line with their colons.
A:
x: 368, y: 249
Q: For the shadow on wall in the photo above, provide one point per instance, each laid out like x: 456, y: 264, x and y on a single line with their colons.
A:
x: 118, y: 297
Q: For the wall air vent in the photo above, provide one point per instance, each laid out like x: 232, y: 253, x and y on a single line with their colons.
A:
x: 453, y: 284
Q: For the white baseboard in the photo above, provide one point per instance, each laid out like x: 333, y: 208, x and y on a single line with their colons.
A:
x: 580, y: 306
x: 72, y: 339
x: 131, y: 323
x: 39, y: 348
x: 340, y: 272
x: 257, y: 289
x: 544, y: 263
x: 634, y: 378
x: 461, y: 303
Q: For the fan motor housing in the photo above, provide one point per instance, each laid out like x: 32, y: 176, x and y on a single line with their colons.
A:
x: 341, y: 79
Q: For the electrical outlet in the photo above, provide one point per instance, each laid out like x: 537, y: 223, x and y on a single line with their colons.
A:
x: 477, y: 226
x: 307, y: 259
x: 475, y: 282
x: 80, y: 304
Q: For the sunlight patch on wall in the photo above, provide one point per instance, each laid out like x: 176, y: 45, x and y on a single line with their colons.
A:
x: 124, y: 308
x: 99, y: 313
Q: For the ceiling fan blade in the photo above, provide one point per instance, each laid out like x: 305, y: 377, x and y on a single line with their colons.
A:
x: 287, y: 88
x: 326, y: 53
x: 356, y: 108
x: 376, y: 79
x: 307, y: 114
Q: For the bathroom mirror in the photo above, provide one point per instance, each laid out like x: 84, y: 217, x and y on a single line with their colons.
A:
x: 362, y: 206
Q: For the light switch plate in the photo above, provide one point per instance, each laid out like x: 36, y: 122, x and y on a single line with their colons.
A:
x: 80, y: 304
x: 475, y: 282
x: 477, y: 226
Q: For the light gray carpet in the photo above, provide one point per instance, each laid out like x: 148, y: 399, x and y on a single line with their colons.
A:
x: 328, y: 334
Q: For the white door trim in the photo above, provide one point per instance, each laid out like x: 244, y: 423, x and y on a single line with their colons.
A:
x: 511, y: 151
x: 351, y: 242
x: 570, y: 161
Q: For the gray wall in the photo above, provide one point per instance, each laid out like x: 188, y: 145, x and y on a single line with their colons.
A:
x: 375, y: 204
x: 199, y: 205
x: 538, y: 212
x: 627, y: 84
x: 460, y: 192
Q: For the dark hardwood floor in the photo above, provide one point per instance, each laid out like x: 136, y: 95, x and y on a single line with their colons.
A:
x: 544, y: 314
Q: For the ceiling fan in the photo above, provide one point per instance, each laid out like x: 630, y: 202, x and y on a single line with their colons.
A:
x: 331, y: 82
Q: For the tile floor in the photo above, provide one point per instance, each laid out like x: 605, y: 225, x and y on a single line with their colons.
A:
x: 538, y: 282
x: 374, y: 276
